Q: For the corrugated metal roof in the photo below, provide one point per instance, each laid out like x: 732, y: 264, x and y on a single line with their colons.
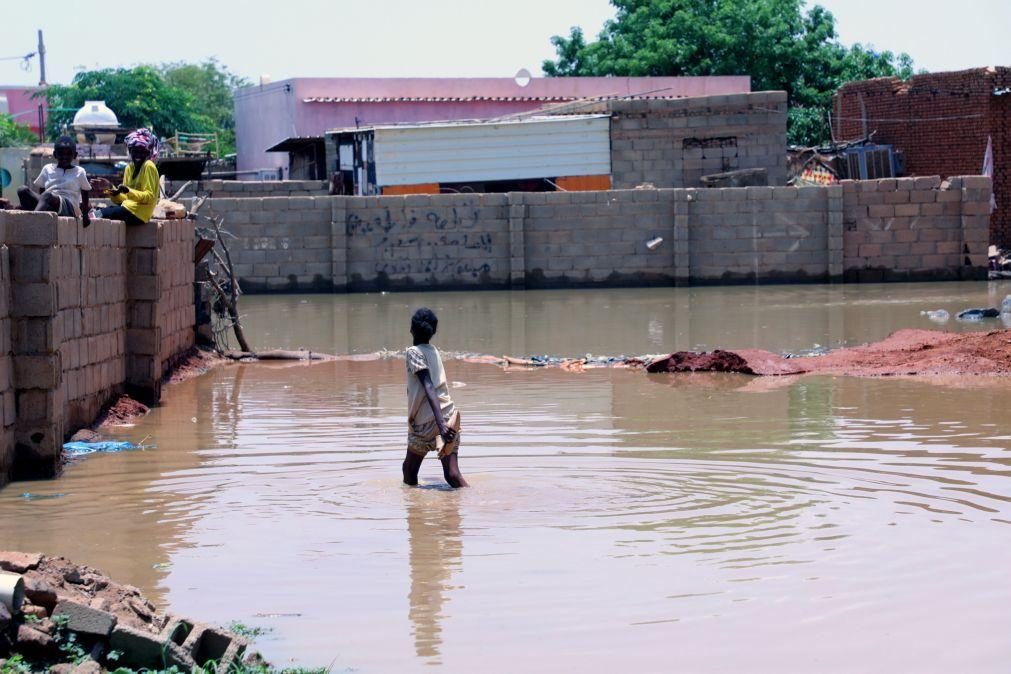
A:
x: 434, y: 99
x: 503, y: 150
x: 454, y: 123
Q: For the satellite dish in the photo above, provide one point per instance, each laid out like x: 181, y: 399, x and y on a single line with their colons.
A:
x: 522, y: 78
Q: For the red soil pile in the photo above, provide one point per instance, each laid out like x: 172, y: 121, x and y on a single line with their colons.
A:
x: 194, y: 364
x: 906, y: 352
x: 124, y: 410
x: 920, y: 352
x: 689, y: 361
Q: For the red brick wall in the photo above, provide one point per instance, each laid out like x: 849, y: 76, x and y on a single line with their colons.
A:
x: 940, y: 122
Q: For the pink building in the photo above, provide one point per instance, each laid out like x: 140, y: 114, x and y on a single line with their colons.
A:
x: 305, y: 107
x: 18, y: 101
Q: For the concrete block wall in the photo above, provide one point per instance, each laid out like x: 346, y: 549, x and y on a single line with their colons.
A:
x: 88, y: 268
x: 284, y: 243
x: 598, y: 237
x: 916, y: 228
x: 159, y: 303
x: 8, y: 416
x: 455, y: 240
x: 249, y: 189
x: 544, y: 239
x: 672, y: 143
x: 760, y: 233
x: 66, y: 327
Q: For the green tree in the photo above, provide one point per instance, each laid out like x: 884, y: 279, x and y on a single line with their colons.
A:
x: 211, y: 84
x: 13, y: 134
x: 776, y: 42
x: 188, y: 98
x: 139, y: 96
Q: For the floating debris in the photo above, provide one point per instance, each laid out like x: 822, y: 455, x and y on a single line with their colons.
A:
x: 28, y: 496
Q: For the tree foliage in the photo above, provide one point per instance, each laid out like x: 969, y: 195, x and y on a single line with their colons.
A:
x: 188, y: 98
x: 13, y: 134
x: 776, y: 42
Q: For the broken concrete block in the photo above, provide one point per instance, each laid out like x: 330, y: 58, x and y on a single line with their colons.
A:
x: 139, y: 648
x: 40, y: 593
x: 85, y: 619
x: 33, y: 642
x: 19, y: 562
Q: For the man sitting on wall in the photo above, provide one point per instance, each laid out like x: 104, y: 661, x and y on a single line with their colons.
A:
x: 65, y: 187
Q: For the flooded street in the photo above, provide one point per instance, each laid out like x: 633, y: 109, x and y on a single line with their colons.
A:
x: 617, y: 522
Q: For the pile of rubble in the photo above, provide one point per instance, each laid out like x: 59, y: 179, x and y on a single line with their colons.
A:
x: 66, y: 618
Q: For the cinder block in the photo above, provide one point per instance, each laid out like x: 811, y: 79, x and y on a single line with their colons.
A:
x: 148, y: 235
x: 32, y: 229
x: 33, y: 299
x: 41, y: 372
x: 84, y: 619
x: 144, y: 287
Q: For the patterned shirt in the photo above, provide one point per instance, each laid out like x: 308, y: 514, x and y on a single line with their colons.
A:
x: 426, y: 357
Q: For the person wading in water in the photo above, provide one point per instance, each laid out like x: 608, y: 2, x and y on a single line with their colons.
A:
x: 433, y: 421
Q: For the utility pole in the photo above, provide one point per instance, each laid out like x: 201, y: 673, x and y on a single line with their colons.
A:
x: 42, y: 61
x: 42, y: 83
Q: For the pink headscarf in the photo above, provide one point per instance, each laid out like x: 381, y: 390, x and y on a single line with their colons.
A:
x: 143, y: 138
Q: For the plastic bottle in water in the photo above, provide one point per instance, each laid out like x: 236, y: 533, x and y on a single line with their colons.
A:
x: 938, y: 316
x: 1005, y: 306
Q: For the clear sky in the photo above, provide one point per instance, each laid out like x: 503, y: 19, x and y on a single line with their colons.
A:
x: 290, y: 38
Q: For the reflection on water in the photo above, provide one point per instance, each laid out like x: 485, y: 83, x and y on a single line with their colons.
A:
x: 617, y: 522
x: 436, y: 552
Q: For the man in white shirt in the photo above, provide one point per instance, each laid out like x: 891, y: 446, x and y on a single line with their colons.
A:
x: 64, y: 187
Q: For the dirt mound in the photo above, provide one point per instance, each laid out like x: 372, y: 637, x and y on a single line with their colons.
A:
x: 194, y: 364
x: 903, y: 353
x: 690, y: 361
x: 124, y: 410
x: 920, y: 352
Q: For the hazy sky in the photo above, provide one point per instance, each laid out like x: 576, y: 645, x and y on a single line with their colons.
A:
x: 428, y: 37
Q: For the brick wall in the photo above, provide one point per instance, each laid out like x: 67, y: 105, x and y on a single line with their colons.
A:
x: 71, y: 331
x: 543, y: 239
x: 672, y: 143
x: 940, y: 122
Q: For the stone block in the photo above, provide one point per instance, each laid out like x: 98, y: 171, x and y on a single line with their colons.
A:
x: 84, y: 619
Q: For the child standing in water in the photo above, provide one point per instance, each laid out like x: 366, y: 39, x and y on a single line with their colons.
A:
x: 433, y: 422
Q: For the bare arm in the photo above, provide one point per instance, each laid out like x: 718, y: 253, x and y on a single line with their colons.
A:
x: 446, y: 432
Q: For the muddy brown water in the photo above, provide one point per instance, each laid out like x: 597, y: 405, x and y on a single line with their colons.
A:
x: 617, y: 522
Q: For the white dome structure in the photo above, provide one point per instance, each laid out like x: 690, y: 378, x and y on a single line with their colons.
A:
x: 95, y: 115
